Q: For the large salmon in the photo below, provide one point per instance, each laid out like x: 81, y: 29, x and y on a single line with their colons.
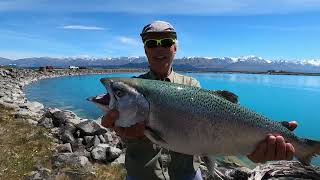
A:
x: 196, y: 121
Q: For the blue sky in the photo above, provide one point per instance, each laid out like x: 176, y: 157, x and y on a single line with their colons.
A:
x: 270, y: 29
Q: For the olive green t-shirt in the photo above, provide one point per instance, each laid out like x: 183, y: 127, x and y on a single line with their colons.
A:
x: 170, y: 165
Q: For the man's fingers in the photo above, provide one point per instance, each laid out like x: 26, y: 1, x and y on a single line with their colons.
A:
x: 258, y: 156
x: 105, y: 121
x: 109, y: 119
x: 280, y: 148
x: 120, y: 131
x: 289, y: 151
x: 271, y: 148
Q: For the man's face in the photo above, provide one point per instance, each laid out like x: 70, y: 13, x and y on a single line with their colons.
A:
x: 160, y: 58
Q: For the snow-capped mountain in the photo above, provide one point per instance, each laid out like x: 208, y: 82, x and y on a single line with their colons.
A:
x: 243, y: 63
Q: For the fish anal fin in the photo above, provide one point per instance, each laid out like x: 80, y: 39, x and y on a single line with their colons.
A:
x: 307, y: 150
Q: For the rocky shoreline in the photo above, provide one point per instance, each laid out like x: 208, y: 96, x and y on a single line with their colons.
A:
x: 83, y: 142
x: 78, y: 142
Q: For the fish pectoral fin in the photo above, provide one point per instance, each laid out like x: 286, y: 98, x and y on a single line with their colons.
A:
x: 154, y: 159
x: 154, y: 137
x: 227, y: 95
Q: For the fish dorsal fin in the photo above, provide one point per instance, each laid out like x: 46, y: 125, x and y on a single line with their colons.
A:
x: 227, y: 95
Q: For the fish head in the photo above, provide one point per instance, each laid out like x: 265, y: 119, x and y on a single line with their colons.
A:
x: 132, y: 106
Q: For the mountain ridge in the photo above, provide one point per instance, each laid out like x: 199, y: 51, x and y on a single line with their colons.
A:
x: 243, y: 63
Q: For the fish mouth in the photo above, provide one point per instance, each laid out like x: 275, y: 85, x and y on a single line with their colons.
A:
x: 102, y: 101
x: 108, y: 83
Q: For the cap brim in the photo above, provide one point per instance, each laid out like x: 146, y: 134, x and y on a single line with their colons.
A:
x: 169, y: 32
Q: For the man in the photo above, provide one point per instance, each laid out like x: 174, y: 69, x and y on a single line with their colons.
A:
x: 160, y: 45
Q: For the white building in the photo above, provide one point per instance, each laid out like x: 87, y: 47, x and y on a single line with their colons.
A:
x: 73, y: 67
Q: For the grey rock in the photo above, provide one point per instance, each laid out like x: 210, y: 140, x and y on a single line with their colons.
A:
x: 66, y: 134
x: 7, y: 100
x: 4, y: 72
x: 285, y: 170
x: 49, y: 112
x: 113, y: 153
x: 18, y: 96
x: 74, y: 120
x: 63, y: 117
x: 55, y: 132
x: 88, y: 139
x: 79, y: 148
x: 75, y: 175
x: 119, y: 160
x: 69, y: 159
x: 90, y: 128
x: 78, y: 144
x: 9, y: 105
x: 96, y: 140
x: 64, y: 148
x: 108, y: 137
x: 32, y: 122
x: 99, y: 152
x: 32, y: 106
x: 24, y: 113
x: 69, y: 127
x: 99, y: 120
x: 82, y: 152
x: 91, y: 141
x: 102, y: 139
x: 46, y: 122
x: 229, y: 170
x: 104, y: 152
x: 2, y: 93
x: 40, y: 174
x: 77, y: 134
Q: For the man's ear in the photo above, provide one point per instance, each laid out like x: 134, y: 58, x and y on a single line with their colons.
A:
x: 175, y: 49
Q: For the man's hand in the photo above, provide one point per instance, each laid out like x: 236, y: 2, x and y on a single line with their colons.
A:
x: 274, y: 148
x: 132, y: 132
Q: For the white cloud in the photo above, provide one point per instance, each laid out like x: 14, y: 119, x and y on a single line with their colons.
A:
x: 286, y: 28
x: 186, y: 7
x: 129, y: 41
x: 82, y: 27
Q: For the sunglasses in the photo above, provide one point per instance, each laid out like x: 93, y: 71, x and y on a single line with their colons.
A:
x: 166, y: 42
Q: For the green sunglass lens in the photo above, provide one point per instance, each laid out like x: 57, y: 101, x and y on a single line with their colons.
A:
x: 151, y: 43
x: 167, y: 42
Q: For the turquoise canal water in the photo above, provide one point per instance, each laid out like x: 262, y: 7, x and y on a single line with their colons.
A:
x: 280, y: 97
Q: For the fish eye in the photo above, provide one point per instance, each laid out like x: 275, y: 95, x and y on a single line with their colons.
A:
x: 119, y: 93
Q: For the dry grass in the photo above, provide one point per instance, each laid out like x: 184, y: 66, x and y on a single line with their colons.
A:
x: 24, y: 147
x: 110, y: 172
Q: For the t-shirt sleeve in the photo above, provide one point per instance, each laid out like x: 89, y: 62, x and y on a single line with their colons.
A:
x: 195, y: 83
